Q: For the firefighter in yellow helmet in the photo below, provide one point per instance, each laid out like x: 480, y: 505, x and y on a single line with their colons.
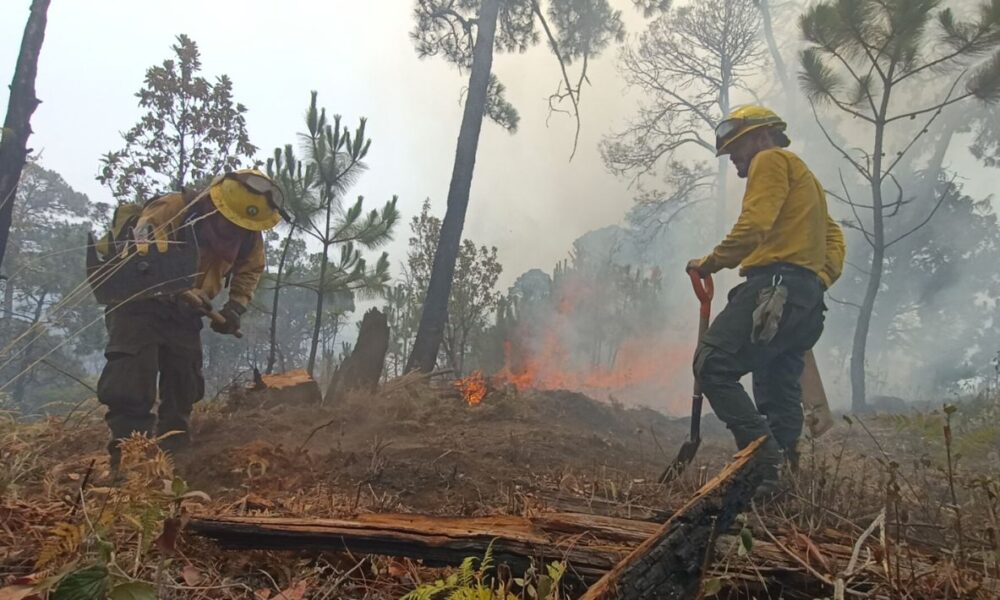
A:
x: 154, y: 344
x: 790, y: 250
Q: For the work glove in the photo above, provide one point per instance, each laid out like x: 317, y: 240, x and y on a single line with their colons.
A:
x: 232, y: 312
x: 695, y: 265
x: 197, y: 300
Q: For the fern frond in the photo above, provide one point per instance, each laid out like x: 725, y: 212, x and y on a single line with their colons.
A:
x: 487, y: 563
x: 64, y: 539
x: 428, y: 591
x: 467, y: 571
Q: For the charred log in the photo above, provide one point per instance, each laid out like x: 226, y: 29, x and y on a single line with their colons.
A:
x: 590, y: 544
x: 670, y: 563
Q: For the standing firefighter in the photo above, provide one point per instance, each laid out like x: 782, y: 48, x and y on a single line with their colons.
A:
x: 790, y: 251
x: 163, y: 264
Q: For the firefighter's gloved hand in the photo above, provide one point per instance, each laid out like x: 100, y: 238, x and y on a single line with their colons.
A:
x: 695, y: 265
x: 197, y: 300
x: 232, y: 312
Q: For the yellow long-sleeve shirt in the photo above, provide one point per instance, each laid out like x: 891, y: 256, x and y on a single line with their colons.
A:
x: 784, y: 220
x: 166, y: 214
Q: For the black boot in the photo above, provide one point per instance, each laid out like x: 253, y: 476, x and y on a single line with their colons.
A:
x: 175, y: 443
x: 771, y: 484
x: 115, y: 461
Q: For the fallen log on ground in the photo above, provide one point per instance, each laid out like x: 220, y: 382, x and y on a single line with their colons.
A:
x: 559, y: 502
x: 785, y: 562
x: 591, y: 544
x: 670, y: 563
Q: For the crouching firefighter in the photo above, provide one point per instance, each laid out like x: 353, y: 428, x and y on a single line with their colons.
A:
x: 790, y: 251
x: 157, y: 271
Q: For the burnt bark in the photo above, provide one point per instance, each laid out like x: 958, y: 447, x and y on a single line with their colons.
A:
x: 591, y: 544
x: 667, y: 561
x: 670, y: 564
x: 17, y: 124
x: 362, y: 370
x: 435, y: 312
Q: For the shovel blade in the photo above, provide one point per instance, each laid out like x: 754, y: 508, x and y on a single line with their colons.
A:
x: 684, y: 458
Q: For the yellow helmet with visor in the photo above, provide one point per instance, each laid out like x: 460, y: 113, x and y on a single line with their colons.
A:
x: 741, y: 121
x: 248, y: 198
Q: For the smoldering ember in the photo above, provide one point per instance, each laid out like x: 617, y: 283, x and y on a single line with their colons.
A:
x: 500, y: 300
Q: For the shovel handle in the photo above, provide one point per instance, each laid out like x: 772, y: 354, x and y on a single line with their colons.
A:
x: 704, y: 289
x: 212, y: 314
x: 217, y: 318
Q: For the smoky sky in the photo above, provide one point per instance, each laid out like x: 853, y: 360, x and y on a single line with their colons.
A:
x: 528, y: 199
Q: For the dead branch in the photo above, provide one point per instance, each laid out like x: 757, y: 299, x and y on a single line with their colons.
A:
x: 571, y: 93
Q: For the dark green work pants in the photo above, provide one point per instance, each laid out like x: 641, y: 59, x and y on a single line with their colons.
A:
x: 726, y: 354
x: 154, y: 349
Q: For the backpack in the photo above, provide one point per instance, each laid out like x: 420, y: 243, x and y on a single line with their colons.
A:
x: 120, y: 230
x: 115, y: 277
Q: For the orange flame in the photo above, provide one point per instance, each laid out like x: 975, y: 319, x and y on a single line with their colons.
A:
x: 644, y: 369
x: 473, y: 388
x: 650, y: 367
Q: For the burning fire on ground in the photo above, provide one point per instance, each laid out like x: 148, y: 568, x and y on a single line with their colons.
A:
x: 645, y: 371
x: 571, y: 345
x: 473, y: 388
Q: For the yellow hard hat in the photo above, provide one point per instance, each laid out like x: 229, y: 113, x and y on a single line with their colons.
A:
x: 743, y: 120
x: 248, y: 198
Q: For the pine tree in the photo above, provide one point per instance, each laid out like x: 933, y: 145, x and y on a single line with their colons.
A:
x: 866, y: 59
x: 336, y: 156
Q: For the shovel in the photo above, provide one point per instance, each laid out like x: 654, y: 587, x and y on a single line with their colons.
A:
x: 704, y: 289
x: 213, y: 315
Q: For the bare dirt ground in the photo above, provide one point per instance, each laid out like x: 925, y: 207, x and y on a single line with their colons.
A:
x: 421, y: 450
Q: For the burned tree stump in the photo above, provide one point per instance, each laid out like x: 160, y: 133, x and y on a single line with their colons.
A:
x: 362, y: 370
x: 669, y: 564
x: 279, y: 389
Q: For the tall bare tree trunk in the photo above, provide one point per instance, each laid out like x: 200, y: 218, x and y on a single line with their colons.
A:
x: 772, y: 46
x: 720, y: 179
x: 320, y: 296
x: 435, y: 311
x: 272, y: 352
x: 7, y: 318
x: 936, y: 163
x: 859, y: 398
x: 21, y: 386
x: 17, y: 124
